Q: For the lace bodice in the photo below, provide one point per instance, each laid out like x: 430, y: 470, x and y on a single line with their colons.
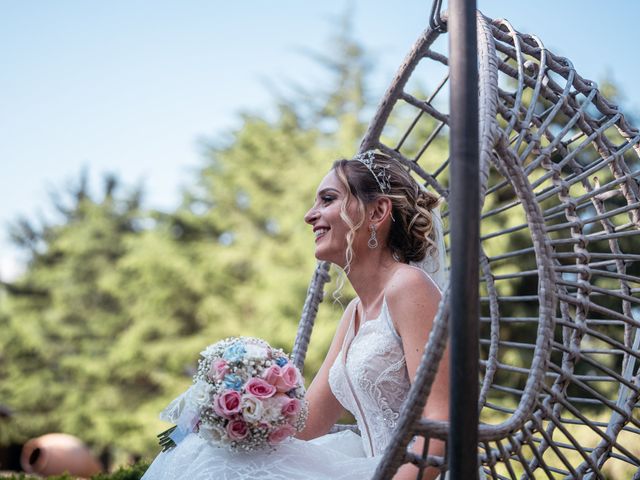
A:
x: 369, y: 378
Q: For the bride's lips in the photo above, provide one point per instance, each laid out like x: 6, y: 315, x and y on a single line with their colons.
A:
x: 320, y: 232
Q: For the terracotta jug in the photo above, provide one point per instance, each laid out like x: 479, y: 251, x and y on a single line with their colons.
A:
x: 57, y: 453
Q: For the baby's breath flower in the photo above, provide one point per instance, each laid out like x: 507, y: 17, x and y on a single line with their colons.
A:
x: 254, y: 419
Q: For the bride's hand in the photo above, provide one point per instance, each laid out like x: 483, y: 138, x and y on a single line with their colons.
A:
x: 408, y: 471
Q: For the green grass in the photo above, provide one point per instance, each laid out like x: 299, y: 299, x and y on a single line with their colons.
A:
x: 133, y: 472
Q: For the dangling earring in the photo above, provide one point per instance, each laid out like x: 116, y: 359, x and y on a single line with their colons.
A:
x: 373, y: 240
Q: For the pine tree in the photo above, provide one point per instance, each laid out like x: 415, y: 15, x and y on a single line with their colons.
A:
x: 104, y: 328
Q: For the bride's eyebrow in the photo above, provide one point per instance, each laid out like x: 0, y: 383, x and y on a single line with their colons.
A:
x: 327, y: 190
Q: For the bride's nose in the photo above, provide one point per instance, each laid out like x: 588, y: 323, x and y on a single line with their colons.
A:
x: 311, y: 215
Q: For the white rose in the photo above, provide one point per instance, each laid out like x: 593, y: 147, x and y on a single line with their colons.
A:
x: 255, y: 351
x: 209, y: 352
x: 200, y: 394
x: 252, y: 408
x: 272, y: 410
x: 213, y: 433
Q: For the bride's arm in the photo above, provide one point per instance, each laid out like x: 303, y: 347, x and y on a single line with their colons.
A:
x: 413, y: 303
x: 324, y: 409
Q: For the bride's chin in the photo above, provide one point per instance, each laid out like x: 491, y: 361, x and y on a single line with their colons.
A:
x: 326, y: 257
x: 323, y: 257
x: 319, y: 256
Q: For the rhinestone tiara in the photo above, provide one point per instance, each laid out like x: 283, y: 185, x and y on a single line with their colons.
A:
x: 379, y: 172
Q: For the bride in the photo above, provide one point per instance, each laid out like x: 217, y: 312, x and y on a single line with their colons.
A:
x: 372, y: 219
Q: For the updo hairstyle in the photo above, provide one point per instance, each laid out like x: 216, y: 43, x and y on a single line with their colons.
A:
x: 411, y: 236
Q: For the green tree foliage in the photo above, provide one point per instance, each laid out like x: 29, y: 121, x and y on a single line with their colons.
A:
x: 60, y: 317
x: 104, y: 328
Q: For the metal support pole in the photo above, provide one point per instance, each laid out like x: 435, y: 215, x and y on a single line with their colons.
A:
x: 465, y: 239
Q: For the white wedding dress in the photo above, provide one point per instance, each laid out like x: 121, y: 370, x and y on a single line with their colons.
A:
x: 369, y: 378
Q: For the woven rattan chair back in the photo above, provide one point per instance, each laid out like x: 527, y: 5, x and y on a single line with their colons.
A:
x: 560, y: 262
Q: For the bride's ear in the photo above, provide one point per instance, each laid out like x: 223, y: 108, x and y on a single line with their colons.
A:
x: 380, y: 210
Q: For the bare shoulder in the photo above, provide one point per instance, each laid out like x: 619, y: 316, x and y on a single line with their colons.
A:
x: 412, y: 298
x: 411, y: 283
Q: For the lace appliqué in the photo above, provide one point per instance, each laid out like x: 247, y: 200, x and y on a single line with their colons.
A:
x: 376, y: 367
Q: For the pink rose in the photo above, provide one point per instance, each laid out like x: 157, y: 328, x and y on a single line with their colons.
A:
x: 281, y: 434
x: 284, y: 379
x: 290, y: 378
x: 272, y: 374
x: 290, y: 406
x: 260, y: 388
x: 227, y: 404
x: 237, y: 429
x: 219, y: 368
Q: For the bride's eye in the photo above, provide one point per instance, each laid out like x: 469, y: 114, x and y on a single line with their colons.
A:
x: 326, y: 199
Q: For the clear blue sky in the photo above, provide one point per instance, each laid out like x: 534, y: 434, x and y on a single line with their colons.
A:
x: 132, y: 86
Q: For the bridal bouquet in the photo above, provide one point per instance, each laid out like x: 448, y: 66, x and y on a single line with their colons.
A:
x: 245, y: 395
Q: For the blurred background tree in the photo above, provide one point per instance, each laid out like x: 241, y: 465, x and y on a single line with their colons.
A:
x: 105, y: 326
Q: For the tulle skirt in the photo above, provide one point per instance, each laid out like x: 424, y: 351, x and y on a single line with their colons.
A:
x: 335, y: 456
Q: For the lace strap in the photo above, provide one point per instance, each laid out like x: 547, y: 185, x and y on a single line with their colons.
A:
x: 387, y: 317
x: 350, y: 334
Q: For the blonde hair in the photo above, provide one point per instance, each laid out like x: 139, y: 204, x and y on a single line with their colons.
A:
x: 411, y: 236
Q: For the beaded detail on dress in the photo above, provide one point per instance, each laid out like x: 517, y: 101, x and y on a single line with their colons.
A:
x: 369, y: 378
